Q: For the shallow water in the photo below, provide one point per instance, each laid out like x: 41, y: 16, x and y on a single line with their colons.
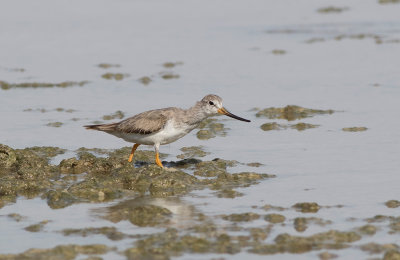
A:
x: 344, y: 61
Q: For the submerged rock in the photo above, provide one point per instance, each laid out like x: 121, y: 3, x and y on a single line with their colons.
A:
x: 115, y: 76
x: 392, y: 203
x: 291, y: 112
x: 59, y: 252
x: 5, y: 85
x: 355, y: 129
x: 307, y: 207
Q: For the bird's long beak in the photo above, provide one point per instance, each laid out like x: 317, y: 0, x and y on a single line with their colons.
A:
x: 223, y: 111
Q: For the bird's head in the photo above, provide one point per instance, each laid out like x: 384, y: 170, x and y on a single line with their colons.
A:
x: 212, y: 105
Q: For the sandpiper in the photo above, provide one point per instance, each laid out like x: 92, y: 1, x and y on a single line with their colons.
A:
x: 164, y: 126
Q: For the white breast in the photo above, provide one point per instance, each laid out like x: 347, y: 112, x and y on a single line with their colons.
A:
x: 168, y: 134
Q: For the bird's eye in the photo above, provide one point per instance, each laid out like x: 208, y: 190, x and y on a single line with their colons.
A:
x: 211, y: 103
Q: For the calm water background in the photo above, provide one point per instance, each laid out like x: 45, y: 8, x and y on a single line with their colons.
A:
x: 226, y: 49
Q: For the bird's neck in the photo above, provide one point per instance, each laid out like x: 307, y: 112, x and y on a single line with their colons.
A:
x: 195, y: 114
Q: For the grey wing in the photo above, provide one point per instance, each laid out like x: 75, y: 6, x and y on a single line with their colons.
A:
x: 145, y: 123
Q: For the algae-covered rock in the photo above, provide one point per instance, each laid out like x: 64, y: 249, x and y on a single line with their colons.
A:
x: 392, y: 203
x: 145, y: 80
x: 192, y: 151
x: 278, y: 52
x: 36, y: 227
x: 331, y: 9
x: 307, y: 207
x: 5, y: 85
x: 110, y: 232
x: 8, y: 157
x: 268, y: 207
x: 272, y: 126
x: 301, y: 223
x: 229, y: 193
x: 64, y: 252
x: 303, y: 126
x: 108, y: 65
x: 213, y: 168
x: 389, y: 1
x: 327, y: 256
x: 54, y: 124
x: 355, y: 129
x: 249, y: 216
x: 169, y: 75
x: 211, y: 128
x: 139, y: 214
x: 172, y: 64
x: 115, y: 76
x: 392, y: 255
x: 291, y: 112
x: 275, y: 218
x: 116, y: 115
x: 368, y: 230
x: 374, y: 248
x: 57, y: 199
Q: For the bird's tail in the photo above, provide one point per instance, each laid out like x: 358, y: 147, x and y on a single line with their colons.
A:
x: 102, y: 127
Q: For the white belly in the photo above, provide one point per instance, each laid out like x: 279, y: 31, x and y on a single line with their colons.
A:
x: 167, y: 135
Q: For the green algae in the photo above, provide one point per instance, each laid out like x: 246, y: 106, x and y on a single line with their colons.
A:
x: 5, y: 85
x: 114, y: 76
x: 59, y: 252
x: 274, y: 218
x: 392, y: 203
x: 354, y: 129
x: 331, y: 9
x: 307, y: 207
x: 191, y: 152
x: 291, y: 112
x: 116, y: 115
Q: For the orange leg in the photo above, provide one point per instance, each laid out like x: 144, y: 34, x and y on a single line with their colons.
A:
x: 158, y: 162
x: 135, y: 146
